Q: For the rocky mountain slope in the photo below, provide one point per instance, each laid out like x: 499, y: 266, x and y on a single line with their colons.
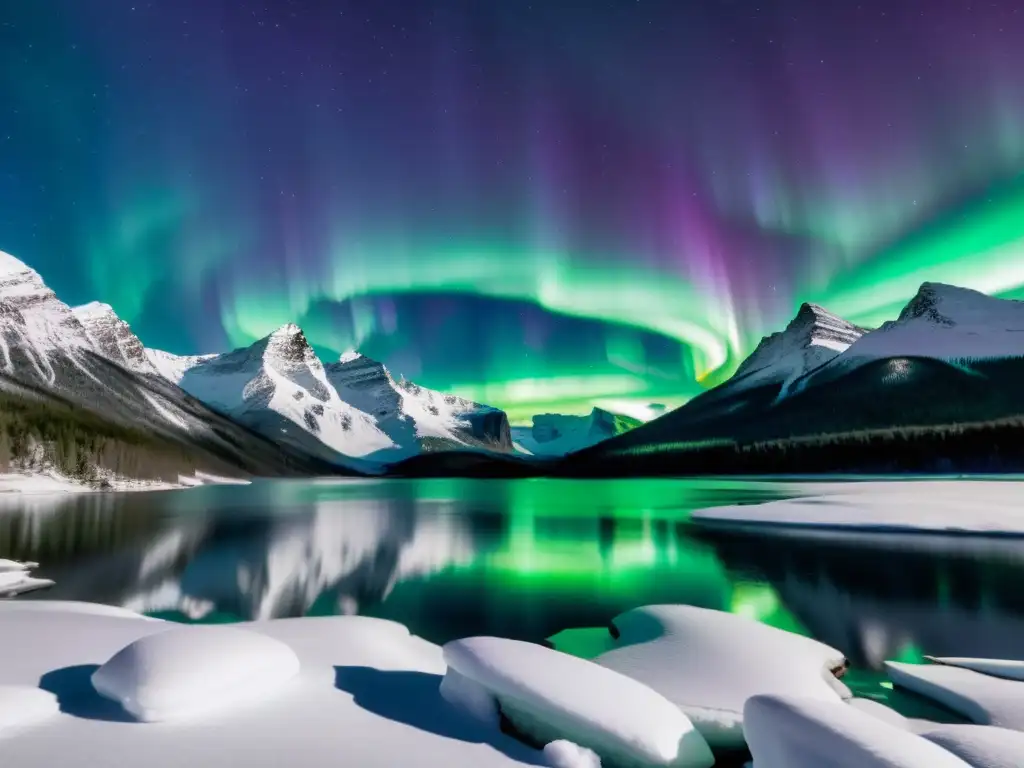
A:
x: 350, y: 408
x: 80, y: 399
x: 953, y: 356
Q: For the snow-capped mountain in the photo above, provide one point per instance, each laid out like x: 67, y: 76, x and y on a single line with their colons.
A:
x: 943, y: 322
x: 811, y: 339
x: 113, y: 338
x: 953, y: 356
x: 353, y: 407
x: 56, y: 358
x: 554, y: 434
x: 278, y: 386
x: 39, y: 334
x: 406, y: 411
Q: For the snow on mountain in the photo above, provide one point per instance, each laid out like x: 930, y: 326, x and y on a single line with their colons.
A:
x: 949, y: 323
x: 353, y: 407
x: 173, y: 367
x: 37, y: 330
x: 812, y: 338
x: 408, y: 412
x: 52, y: 355
x: 113, y: 338
x: 554, y: 434
x: 279, y: 387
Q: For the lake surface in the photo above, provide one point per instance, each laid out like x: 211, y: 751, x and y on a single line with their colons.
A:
x: 524, y: 559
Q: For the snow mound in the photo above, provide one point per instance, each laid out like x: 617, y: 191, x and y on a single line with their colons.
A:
x: 22, y: 706
x: 980, y: 698
x: 565, y: 754
x: 933, y: 506
x: 980, y: 745
x: 796, y: 732
x: 708, y: 663
x: 550, y: 696
x: 188, y: 670
x: 882, y: 712
x: 1010, y: 669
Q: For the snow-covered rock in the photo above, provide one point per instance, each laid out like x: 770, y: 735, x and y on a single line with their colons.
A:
x: 944, y: 322
x: 1011, y: 669
x: 981, y: 746
x: 22, y: 706
x: 113, y: 338
x: 980, y: 698
x: 548, y: 695
x: 797, y: 732
x: 565, y: 754
x: 708, y: 663
x: 188, y: 671
x: 812, y: 338
x: 934, y: 506
x: 554, y: 434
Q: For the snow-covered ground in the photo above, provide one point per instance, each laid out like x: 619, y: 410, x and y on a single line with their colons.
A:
x: 979, y: 507
x: 87, y: 684
x: 51, y: 481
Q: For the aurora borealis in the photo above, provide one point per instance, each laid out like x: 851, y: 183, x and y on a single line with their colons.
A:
x: 543, y: 205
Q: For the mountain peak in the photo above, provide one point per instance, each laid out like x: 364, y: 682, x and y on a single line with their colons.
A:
x: 937, y: 303
x: 349, y: 356
x: 113, y: 338
x: 288, y: 344
x: 94, y: 309
x: 288, y: 329
x: 10, y: 265
x: 811, y: 337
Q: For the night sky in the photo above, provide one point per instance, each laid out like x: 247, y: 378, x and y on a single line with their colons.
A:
x: 541, y: 204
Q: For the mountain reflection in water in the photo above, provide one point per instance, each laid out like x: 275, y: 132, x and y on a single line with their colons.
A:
x: 521, y: 559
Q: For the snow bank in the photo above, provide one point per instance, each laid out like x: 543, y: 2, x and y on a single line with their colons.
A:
x: 367, y: 695
x: 22, y: 706
x: 1010, y: 669
x: 16, y: 579
x: 565, y: 754
x: 188, y: 670
x: 882, y: 712
x: 980, y: 698
x: 980, y: 745
x: 976, y: 507
x: 796, y: 732
x: 549, y: 695
x: 709, y: 663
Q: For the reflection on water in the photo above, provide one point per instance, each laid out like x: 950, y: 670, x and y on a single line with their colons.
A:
x: 521, y: 559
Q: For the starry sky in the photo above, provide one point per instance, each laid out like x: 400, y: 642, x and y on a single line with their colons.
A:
x: 541, y: 204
